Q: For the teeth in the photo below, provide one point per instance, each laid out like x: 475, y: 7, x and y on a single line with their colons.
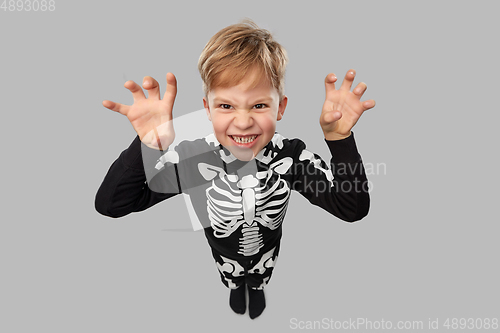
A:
x: 244, y: 139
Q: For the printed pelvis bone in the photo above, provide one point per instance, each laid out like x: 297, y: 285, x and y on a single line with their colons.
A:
x: 234, y: 269
x: 234, y: 202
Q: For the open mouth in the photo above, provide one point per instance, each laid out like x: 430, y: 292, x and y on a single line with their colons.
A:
x: 246, y: 139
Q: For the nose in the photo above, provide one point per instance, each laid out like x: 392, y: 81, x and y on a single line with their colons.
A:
x: 243, y: 120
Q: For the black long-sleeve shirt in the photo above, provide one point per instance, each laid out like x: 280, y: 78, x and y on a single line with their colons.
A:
x: 241, y: 205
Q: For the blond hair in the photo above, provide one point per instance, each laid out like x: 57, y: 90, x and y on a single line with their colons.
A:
x: 235, y: 50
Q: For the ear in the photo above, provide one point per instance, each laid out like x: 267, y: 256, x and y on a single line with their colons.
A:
x: 207, y: 108
x: 282, y: 107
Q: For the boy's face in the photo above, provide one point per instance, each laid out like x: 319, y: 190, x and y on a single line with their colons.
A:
x: 244, y: 118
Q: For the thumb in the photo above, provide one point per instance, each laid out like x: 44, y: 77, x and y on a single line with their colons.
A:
x: 331, y: 117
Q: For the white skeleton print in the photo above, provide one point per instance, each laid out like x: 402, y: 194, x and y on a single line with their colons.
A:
x: 234, y: 202
x: 240, y: 205
x: 234, y: 268
x: 316, y: 162
x: 242, y: 200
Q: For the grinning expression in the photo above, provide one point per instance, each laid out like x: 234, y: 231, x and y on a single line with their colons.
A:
x: 244, y: 117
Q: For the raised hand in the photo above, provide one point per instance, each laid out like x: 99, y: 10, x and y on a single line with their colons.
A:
x: 342, y: 108
x: 151, y: 117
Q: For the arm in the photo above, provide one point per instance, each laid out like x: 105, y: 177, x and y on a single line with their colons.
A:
x: 341, y: 187
x: 347, y: 196
x: 124, y: 189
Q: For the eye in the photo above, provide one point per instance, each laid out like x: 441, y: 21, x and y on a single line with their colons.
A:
x: 260, y: 106
x: 225, y: 106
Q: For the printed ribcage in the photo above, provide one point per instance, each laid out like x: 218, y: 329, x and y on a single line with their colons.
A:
x: 225, y: 209
x: 271, y: 205
x: 230, y: 206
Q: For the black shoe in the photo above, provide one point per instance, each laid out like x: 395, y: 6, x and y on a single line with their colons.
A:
x: 237, y: 300
x: 256, y: 302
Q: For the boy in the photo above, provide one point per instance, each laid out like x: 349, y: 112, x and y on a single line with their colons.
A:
x: 238, y: 179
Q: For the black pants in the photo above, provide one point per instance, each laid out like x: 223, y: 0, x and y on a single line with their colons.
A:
x: 254, y: 273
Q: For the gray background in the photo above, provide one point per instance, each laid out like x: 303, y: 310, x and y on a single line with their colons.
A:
x: 428, y: 248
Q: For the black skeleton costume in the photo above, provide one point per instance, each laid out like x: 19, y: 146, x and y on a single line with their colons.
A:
x: 240, y: 205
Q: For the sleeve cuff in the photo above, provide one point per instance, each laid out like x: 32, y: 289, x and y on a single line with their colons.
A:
x: 132, y: 156
x: 344, y: 150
